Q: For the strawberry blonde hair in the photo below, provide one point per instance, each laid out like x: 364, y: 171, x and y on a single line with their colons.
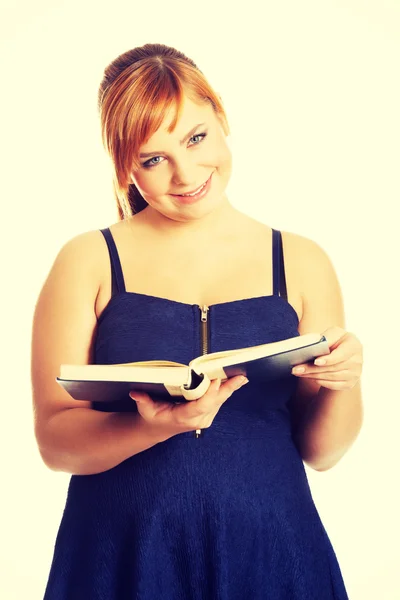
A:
x: 137, y: 89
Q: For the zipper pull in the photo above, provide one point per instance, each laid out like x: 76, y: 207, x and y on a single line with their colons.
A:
x: 204, y: 310
x: 198, y: 433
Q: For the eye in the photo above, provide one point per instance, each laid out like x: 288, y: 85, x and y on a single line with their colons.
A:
x: 149, y: 164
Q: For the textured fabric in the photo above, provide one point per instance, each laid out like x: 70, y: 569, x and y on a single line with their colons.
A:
x: 226, y: 516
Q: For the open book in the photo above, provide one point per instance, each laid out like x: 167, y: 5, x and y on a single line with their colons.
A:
x: 175, y: 382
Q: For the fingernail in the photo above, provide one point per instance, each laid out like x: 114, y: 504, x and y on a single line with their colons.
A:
x: 320, y: 361
x: 243, y: 380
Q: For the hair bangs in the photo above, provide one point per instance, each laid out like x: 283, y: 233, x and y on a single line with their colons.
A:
x: 150, y: 107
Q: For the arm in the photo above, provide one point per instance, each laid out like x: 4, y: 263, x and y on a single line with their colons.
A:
x: 326, y: 422
x: 71, y: 436
x: 83, y: 441
x: 329, y: 427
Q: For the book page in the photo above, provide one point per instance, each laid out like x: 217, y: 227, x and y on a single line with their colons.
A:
x: 149, y: 363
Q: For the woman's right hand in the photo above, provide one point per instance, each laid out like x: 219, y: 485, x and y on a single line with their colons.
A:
x: 170, y: 419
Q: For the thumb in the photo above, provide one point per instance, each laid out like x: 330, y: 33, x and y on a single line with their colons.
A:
x: 141, y: 397
x: 136, y: 396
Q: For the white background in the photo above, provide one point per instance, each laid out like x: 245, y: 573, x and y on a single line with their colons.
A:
x: 312, y: 96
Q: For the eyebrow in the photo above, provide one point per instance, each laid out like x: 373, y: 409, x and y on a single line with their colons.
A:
x: 188, y: 135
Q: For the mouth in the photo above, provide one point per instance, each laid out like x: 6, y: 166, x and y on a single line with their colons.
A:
x: 194, y: 193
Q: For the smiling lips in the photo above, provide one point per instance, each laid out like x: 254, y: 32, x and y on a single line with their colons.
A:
x: 194, y: 192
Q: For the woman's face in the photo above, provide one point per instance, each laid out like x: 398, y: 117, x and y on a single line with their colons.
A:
x: 182, y: 161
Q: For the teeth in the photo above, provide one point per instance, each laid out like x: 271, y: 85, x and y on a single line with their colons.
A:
x: 194, y: 193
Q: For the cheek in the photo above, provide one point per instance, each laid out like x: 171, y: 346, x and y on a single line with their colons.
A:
x: 223, y: 159
x: 220, y: 155
x: 148, y: 184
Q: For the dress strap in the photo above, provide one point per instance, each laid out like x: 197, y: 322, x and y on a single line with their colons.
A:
x: 118, y: 283
x: 278, y: 266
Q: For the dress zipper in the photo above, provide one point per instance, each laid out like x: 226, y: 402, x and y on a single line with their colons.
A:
x: 204, y: 341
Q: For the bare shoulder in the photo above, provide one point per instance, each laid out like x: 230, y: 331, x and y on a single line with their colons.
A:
x: 305, y: 256
x: 300, y: 243
x: 290, y: 240
x: 306, y: 243
x: 311, y: 262
x: 87, y: 252
x: 85, y: 245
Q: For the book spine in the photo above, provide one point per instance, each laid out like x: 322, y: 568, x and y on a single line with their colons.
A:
x: 199, y: 390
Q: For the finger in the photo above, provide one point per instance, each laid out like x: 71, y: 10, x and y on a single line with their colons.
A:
x: 207, y: 401
x: 336, y: 356
x: 327, y: 375
x: 232, y: 384
x: 145, y: 404
x: 312, y: 368
x: 139, y: 396
x: 219, y: 391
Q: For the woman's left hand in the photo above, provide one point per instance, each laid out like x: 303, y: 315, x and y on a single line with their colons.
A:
x: 343, y: 365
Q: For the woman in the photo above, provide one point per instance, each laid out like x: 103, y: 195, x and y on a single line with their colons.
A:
x: 209, y: 499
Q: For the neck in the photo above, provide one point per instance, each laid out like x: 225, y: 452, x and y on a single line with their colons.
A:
x: 220, y: 221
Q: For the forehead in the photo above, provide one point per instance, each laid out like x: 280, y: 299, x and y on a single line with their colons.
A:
x: 191, y: 113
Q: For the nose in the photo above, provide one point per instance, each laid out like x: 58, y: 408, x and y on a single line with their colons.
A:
x: 184, y: 176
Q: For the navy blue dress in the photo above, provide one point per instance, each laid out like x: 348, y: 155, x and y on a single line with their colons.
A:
x: 227, y: 515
